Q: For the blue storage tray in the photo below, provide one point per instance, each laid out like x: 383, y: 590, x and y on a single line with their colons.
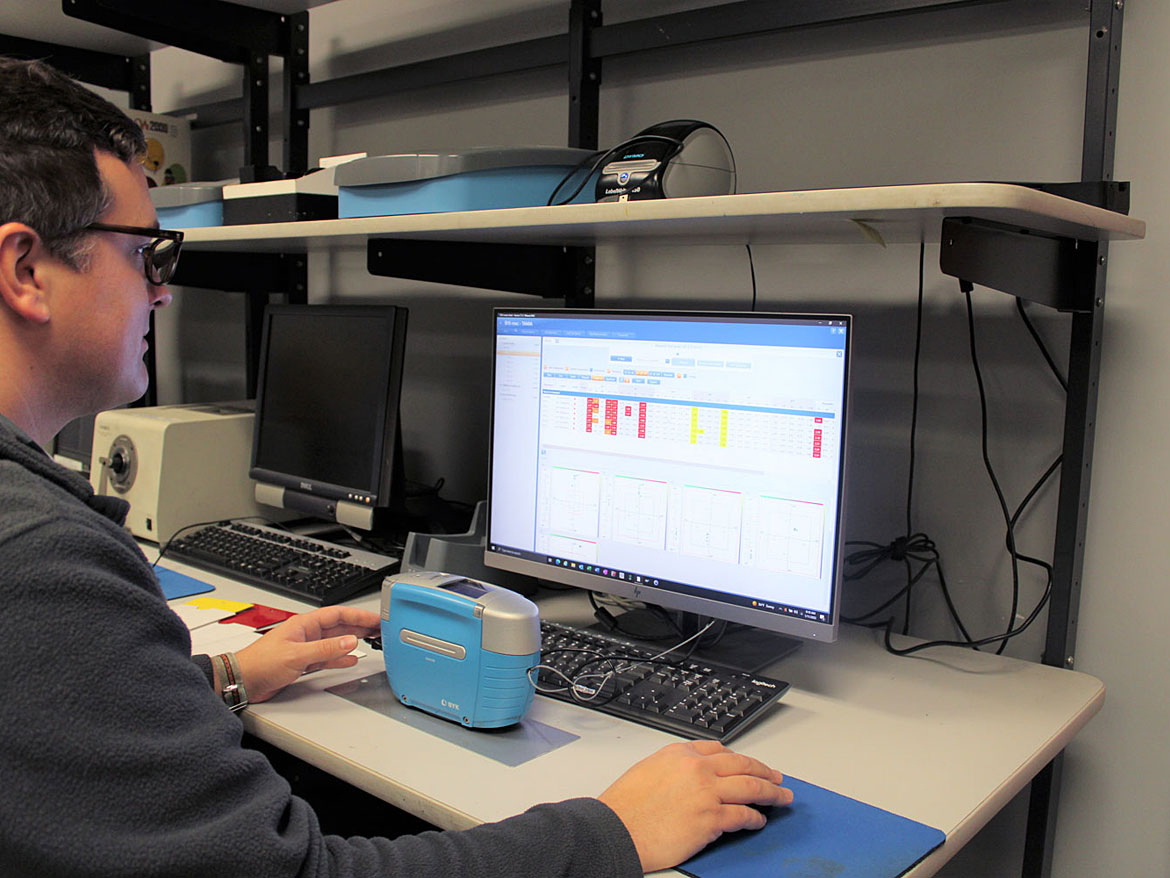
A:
x: 188, y: 205
x: 483, y: 179
x: 191, y: 216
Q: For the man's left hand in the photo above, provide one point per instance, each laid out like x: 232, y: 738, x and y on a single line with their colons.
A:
x: 322, y: 638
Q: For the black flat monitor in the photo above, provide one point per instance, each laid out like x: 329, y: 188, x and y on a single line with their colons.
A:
x: 690, y: 460
x: 75, y: 443
x: 327, y: 438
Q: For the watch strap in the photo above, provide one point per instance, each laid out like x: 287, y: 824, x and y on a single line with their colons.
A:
x: 233, y: 693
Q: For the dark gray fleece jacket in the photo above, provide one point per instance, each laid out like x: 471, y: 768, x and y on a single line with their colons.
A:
x: 117, y: 758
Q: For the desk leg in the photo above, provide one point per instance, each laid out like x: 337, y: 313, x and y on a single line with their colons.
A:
x: 1038, y: 843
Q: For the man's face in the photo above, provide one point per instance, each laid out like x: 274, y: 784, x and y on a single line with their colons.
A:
x: 103, y: 314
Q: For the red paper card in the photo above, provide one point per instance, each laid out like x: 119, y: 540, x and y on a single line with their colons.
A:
x: 258, y: 616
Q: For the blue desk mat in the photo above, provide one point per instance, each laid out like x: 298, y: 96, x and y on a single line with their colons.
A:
x: 820, y: 835
x: 179, y: 585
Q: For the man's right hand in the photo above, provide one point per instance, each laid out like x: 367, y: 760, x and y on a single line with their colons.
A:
x: 680, y: 799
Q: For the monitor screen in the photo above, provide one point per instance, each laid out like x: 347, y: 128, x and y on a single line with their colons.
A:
x: 690, y: 460
x: 75, y: 442
x: 327, y: 397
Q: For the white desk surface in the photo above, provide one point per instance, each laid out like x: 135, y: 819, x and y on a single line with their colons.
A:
x: 947, y: 737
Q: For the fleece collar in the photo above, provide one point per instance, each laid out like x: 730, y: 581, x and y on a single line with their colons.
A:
x: 17, y: 447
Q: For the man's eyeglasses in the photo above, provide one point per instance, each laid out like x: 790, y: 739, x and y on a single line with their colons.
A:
x: 160, y: 257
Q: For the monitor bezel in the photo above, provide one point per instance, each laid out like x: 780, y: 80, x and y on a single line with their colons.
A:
x: 383, y: 491
x: 507, y: 558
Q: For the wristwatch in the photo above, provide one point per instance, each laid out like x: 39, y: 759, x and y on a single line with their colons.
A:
x: 233, y: 693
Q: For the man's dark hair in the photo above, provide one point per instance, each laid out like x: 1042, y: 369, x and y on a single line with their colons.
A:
x: 49, y: 128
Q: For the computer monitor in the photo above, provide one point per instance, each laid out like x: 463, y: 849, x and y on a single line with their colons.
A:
x: 327, y: 439
x: 73, y: 446
x: 690, y: 460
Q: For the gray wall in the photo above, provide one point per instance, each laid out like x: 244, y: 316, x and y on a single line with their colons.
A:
x: 808, y: 112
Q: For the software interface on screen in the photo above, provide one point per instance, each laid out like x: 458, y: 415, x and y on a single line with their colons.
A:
x: 700, y: 454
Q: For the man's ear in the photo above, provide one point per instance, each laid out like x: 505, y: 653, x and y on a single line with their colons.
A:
x: 22, y: 277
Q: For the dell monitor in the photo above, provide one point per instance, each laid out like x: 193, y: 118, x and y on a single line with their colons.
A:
x: 73, y: 446
x: 690, y: 460
x: 327, y: 438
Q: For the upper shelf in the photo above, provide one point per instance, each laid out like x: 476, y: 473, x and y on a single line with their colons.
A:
x: 881, y: 214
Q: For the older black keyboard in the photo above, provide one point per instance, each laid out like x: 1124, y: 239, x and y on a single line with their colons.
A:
x: 691, y: 698
x: 308, y: 569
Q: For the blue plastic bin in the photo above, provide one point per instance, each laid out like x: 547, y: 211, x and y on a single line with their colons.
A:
x: 478, y: 179
x: 188, y: 205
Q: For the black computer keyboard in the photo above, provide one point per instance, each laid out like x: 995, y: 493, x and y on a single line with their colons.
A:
x: 308, y: 569
x: 694, y: 699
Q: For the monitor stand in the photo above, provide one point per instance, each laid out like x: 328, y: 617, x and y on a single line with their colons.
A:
x: 741, y: 647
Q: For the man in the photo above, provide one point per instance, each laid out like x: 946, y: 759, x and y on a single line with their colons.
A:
x: 117, y: 752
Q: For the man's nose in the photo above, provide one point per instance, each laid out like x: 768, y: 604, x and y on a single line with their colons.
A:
x: 160, y: 297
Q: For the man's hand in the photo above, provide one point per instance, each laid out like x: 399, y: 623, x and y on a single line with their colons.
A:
x: 680, y: 799
x: 322, y: 638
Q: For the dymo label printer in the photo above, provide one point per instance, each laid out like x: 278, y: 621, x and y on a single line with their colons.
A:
x: 459, y: 648
x: 681, y: 158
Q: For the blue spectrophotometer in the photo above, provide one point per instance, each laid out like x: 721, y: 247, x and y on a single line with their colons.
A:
x: 459, y: 648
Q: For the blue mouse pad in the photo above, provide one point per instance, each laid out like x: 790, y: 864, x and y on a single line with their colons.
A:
x: 820, y: 835
x: 179, y: 585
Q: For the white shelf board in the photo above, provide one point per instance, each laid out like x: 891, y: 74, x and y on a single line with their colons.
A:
x: 889, y: 214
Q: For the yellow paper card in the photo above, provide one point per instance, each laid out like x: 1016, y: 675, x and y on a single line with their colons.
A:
x: 219, y: 604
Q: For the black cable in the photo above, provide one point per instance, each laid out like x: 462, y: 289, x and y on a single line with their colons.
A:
x: 752, y: 266
x: 571, y: 682
x: 975, y: 644
x: 565, y: 179
x: 1010, y: 520
x: 1040, y: 344
x: 1064, y: 386
x: 707, y: 640
x: 388, y: 545
x: 1003, y: 506
x: 986, y: 641
x: 914, y: 383
x: 913, y: 546
x: 914, y: 433
x: 905, y: 549
x: 917, y: 547
x: 1052, y: 467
